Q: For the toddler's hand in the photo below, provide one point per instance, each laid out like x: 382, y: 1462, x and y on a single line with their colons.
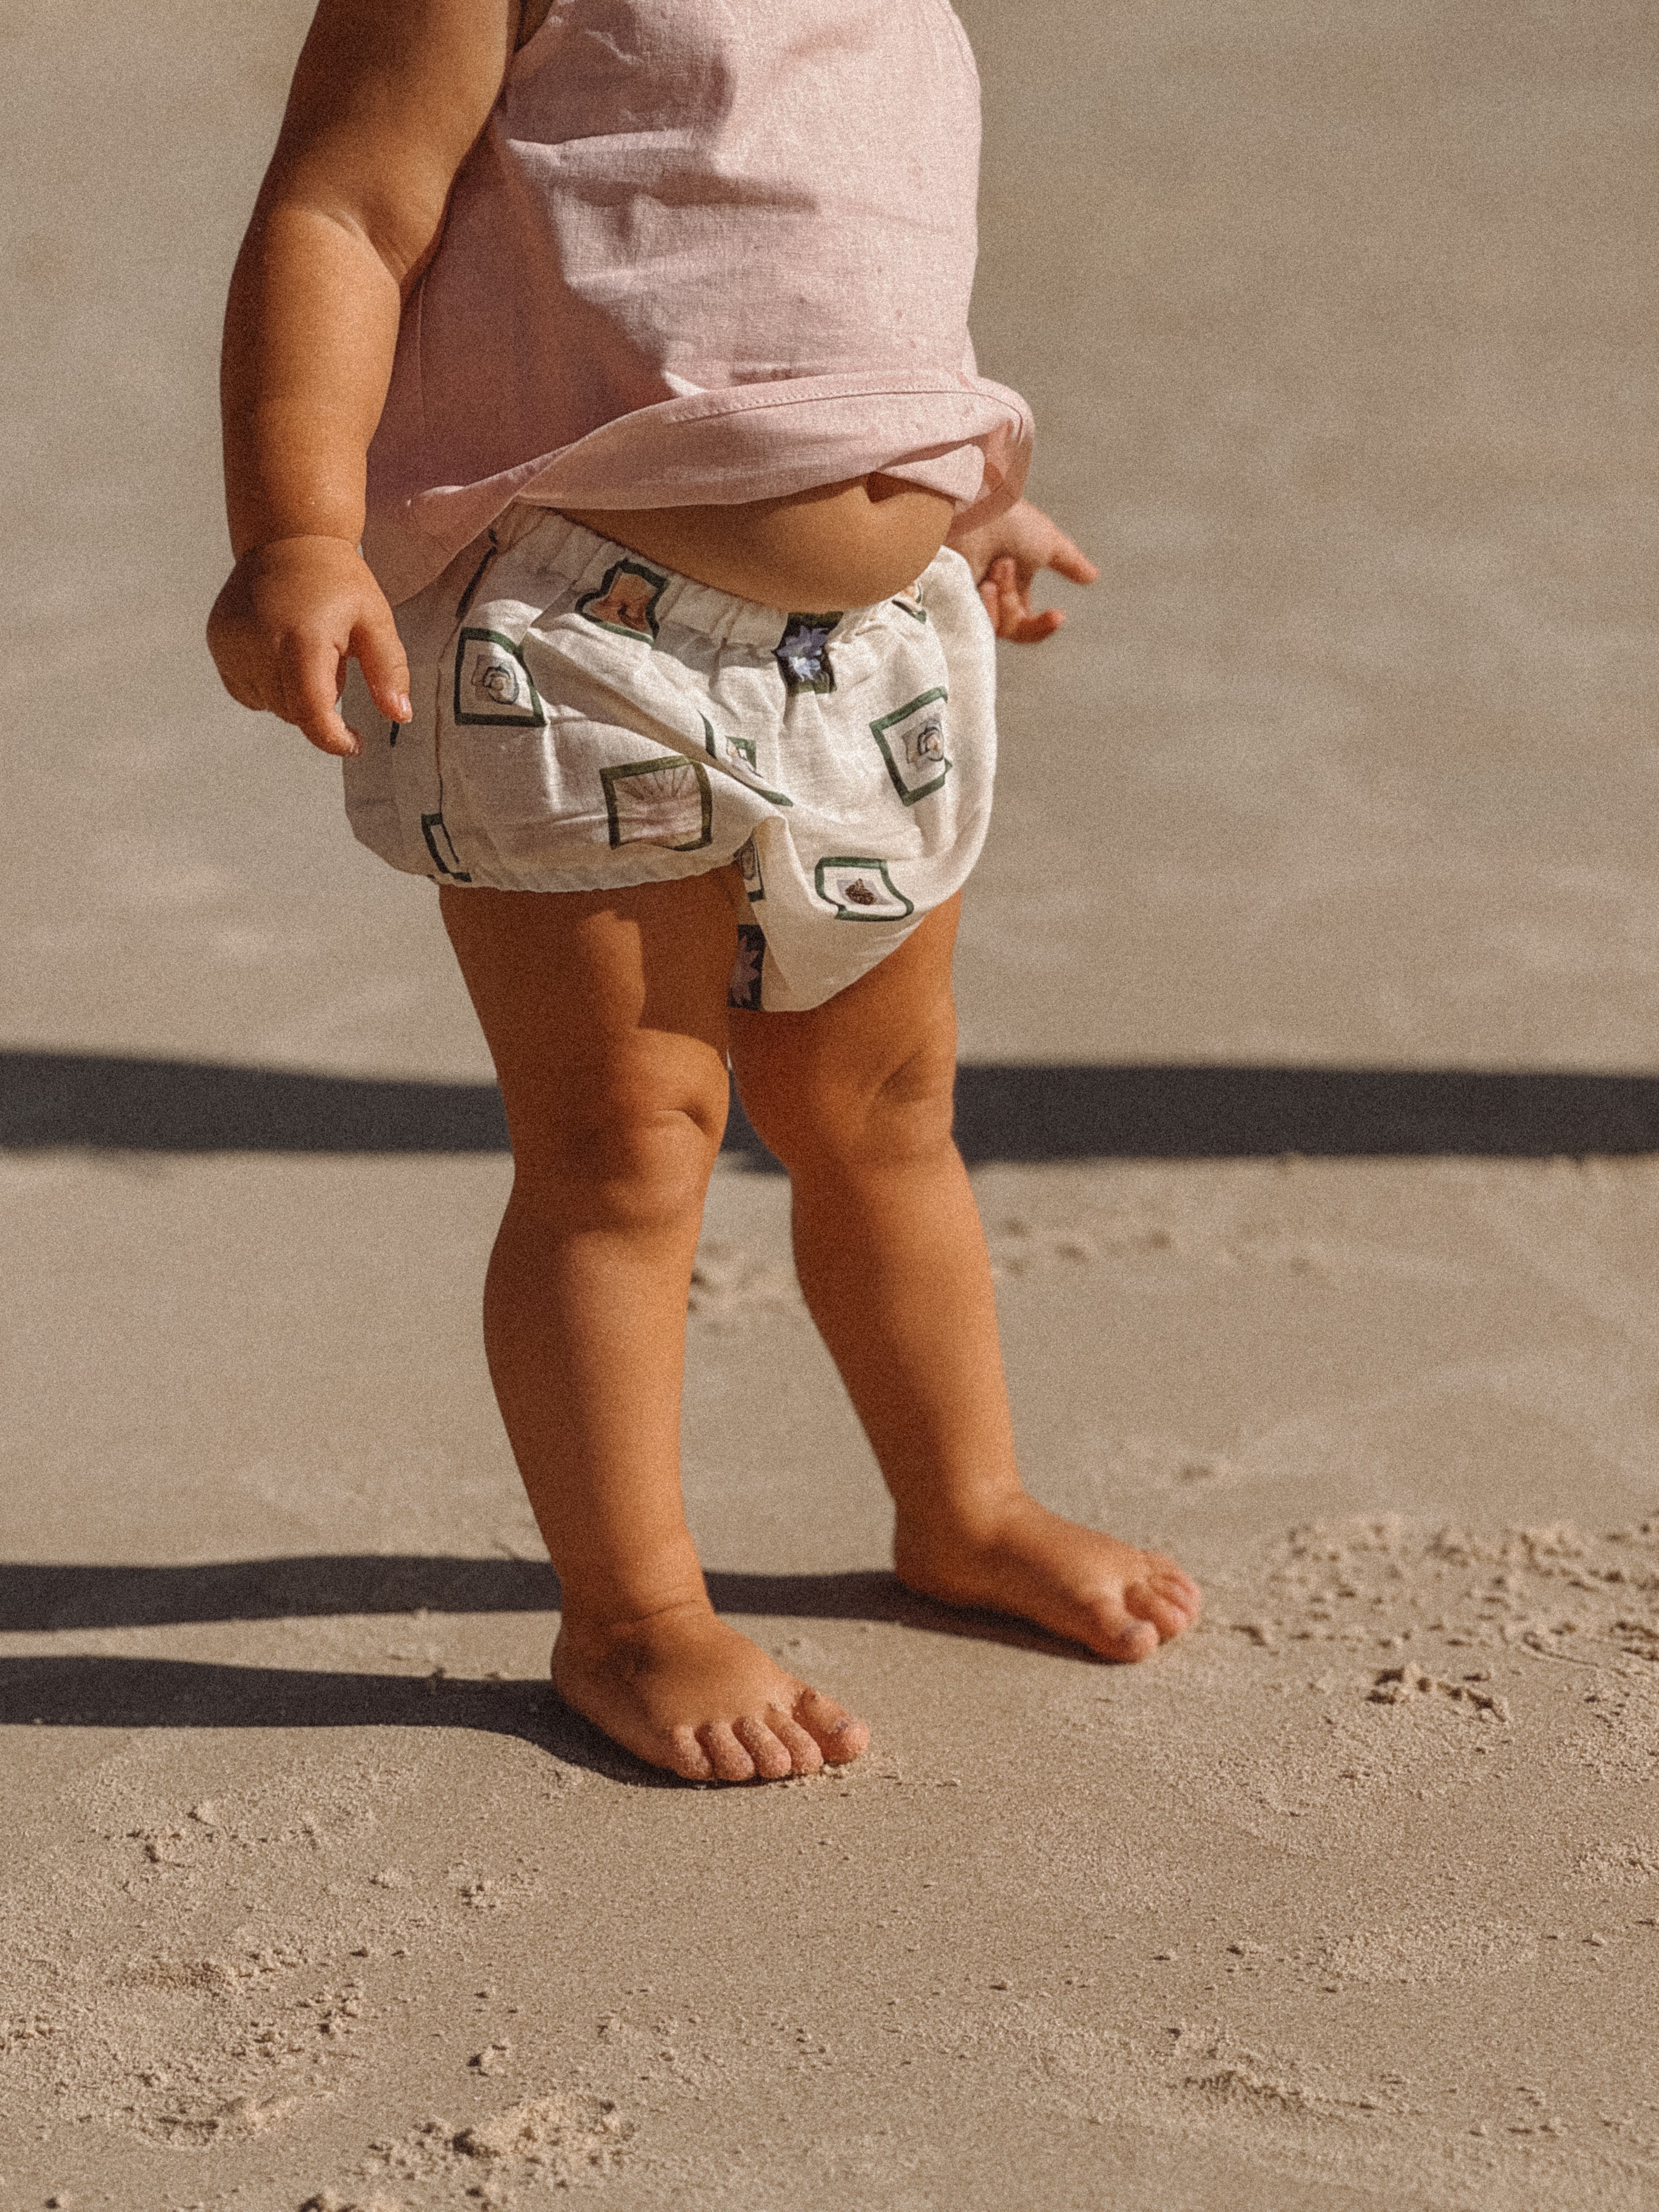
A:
x: 1005, y: 555
x: 290, y: 617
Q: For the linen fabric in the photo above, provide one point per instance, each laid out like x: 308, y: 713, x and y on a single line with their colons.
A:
x: 704, y: 251
x: 586, y: 720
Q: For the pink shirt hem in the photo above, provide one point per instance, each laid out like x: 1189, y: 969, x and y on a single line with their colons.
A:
x: 966, y: 437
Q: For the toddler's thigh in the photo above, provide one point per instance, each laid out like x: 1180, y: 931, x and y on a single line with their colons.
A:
x: 586, y: 995
x: 888, y: 1040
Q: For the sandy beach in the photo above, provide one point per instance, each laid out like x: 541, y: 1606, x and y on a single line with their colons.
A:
x: 1310, y: 990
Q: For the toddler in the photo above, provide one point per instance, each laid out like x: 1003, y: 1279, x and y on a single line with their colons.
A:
x: 621, y: 346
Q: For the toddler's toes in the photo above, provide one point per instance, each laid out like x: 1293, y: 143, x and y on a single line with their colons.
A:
x: 837, y: 1735
x: 1116, y: 1634
x: 731, y: 1762
x: 1164, y: 1614
x: 804, y: 1753
x: 1173, y: 1582
x: 650, y: 1685
x: 687, y: 1756
x: 772, y: 1761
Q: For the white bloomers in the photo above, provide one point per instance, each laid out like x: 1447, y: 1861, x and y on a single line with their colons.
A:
x: 585, y: 720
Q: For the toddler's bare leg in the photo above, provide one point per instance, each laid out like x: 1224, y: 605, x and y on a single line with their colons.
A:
x: 855, y: 1098
x: 605, y: 1016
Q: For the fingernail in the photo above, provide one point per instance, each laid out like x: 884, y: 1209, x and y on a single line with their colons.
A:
x: 405, y: 710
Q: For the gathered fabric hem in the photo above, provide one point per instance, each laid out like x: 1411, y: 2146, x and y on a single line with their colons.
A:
x: 964, y: 436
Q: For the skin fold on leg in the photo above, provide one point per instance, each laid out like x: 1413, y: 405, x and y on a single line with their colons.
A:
x: 855, y: 1099
x: 606, y: 1015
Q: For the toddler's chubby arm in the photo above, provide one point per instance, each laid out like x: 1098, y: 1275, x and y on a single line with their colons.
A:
x: 388, y: 98
x: 1005, y: 555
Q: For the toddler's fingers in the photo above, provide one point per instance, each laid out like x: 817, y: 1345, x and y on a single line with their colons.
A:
x: 1006, y: 572
x: 1032, y: 629
x: 238, y: 669
x: 380, y: 655
x: 1020, y: 624
x: 311, y: 688
x: 243, y: 689
x: 1069, y: 560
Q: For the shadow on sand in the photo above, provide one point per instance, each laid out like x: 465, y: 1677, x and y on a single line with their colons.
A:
x: 83, y: 1690
x: 53, y: 1596
x: 106, y: 1101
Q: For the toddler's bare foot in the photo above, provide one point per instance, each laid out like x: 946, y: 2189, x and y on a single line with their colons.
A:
x: 680, y: 1689
x: 1024, y: 1559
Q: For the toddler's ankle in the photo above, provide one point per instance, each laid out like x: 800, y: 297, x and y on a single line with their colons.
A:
x: 970, y: 1517
x: 606, y: 1592
x: 596, y: 1623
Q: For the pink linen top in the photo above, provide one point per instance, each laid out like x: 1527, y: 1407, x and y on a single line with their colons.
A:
x: 704, y: 251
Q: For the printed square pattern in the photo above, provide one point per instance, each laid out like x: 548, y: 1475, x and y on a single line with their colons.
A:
x: 664, y: 801
x: 492, y: 685
x: 861, y: 889
x: 626, y: 601
x: 749, y: 868
x: 442, y: 845
x: 803, y: 652
x: 737, y: 749
x: 605, y: 756
x: 742, y: 754
x: 911, y: 741
x: 745, y: 988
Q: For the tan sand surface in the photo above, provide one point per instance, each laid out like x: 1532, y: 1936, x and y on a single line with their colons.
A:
x: 1338, y: 321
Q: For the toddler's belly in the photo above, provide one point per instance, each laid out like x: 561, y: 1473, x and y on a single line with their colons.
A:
x: 836, y: 546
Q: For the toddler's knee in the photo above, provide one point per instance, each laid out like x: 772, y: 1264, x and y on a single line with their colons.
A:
x: 634, y: 1157
x: 899, y: 1119
x: 911, y: 1116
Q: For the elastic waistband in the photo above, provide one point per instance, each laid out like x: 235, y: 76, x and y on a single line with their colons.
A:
x: 580, y: 556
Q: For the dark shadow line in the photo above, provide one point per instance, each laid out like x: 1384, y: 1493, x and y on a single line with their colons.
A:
x: 107, y: 1691
x: 1037, y: 1112
x: 111, y: 1101
x: 1229, y: 1111
x: 82, y: 1689
x: 54, y: 1596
